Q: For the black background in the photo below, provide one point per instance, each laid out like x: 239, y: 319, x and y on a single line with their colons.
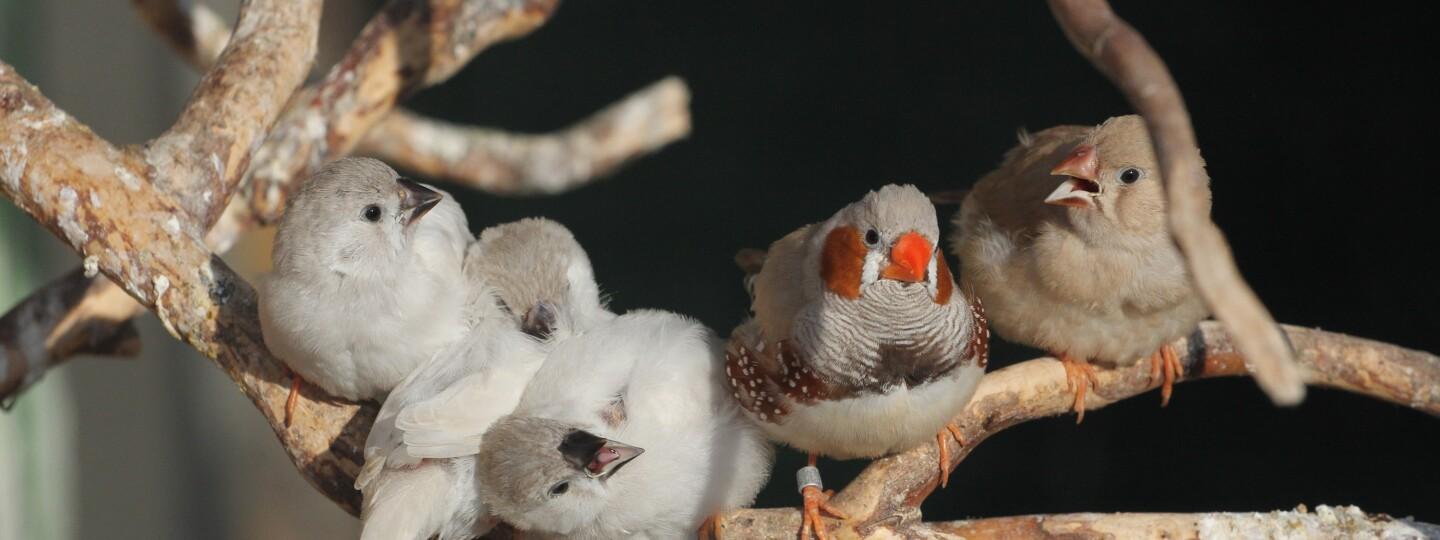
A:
x: 1315, y: 124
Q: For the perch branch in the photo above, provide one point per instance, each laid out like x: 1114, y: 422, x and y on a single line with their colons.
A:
x: 409, y: 45
x: 887, y: 494
x: 78, y: 314
x: 1122, y: 54
x: 511, y: 164
x: 1300, y: 524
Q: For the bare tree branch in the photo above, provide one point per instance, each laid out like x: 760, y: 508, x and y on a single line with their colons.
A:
x: 1324, y: 523
x: 510, y: 164
x: 409, y: 45
x: 78, y: 314
x: 487, y: 159
x: 1122, y: 54
x: 887, y: 494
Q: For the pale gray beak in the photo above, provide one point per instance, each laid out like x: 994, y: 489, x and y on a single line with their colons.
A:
x: 416, y: 198
x: 612, y: 456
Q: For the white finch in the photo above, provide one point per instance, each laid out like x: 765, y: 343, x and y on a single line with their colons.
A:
x: 557, y: 468
x: 860, y: 345
x: 367, y: 280
x: 418, y: 480
x: 1068, y: 245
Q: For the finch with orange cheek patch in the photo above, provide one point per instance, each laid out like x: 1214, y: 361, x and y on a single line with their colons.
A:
x: 860, y: 345
x: 1067, y: 243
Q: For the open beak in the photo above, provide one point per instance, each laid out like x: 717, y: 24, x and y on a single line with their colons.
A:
x: 1083, y: 168
x: 416, y: 198
x: 611, y: 456
x: 909, y: 259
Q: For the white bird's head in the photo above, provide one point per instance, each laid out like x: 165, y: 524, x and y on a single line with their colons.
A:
x: 353, y: 217
x: 541, y: 275
x: 889, y: 235
x: 547, y: 476
x: 1112, y: 181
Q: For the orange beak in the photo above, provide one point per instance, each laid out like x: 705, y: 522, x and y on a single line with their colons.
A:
x: 909, y: 259
x: 1083, y: 168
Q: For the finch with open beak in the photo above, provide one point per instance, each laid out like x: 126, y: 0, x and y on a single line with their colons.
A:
x: 1068, y: 243
x: 860, y: 345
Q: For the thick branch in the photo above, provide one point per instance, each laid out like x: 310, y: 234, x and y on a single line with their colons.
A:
x: 887, y: 494
x: 511, y: 164
x: 1324, y: 523
x: 409, y: 45
x: 1122, y: 54
x: 89, y: 193
x: 208, y: 148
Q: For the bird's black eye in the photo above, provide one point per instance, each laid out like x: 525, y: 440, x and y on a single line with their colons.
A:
x: 372, y: 213
x: 559, y: 489
x: 1130, y: 175
x: 872, y: 237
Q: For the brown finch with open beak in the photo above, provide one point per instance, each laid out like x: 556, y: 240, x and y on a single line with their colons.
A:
x: 1067, y: 243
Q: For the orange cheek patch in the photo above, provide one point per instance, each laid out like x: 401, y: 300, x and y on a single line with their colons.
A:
x: 842, y: 261
x: 944, y: 283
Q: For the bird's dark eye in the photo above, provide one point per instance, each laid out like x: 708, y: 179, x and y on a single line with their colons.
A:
x: 559, y: 489
x: 872, y: 237
x: 1130, y: 175
x: 372, y: 213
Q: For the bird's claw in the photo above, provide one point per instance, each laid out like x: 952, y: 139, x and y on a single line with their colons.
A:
x: 1165, y: 366
x: 1079, y: 377
x: 817, y: 501
x: 294, y: 397
x: 954, y: 431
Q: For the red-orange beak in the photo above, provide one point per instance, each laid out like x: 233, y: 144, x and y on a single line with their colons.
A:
x: 1083, y: 168
x: 909, y: 258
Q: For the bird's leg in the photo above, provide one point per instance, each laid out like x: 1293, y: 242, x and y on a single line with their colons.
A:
x: 294, y: 397
x: 709, y: 528
x: 817, y: 500
x: 1165, y: 364
x: 954, y: 431
x: 1079, y: 375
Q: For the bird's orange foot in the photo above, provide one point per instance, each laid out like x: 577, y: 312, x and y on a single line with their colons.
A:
x: 294, y: 398
x: 710, y: 528
x: 1165, y: 366
x: 817, y: 500
x: 951, y: 430
x: 1080, y: 376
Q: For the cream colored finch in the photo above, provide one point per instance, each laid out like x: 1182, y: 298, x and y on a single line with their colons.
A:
x: 860, y: 345
x: 1068, y: 245
x: 367, y: 281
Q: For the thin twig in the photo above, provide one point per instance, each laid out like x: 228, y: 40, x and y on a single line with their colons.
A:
x: 551, y: 163
x: 1122, y: 54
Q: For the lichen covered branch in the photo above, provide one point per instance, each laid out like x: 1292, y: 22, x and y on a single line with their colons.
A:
x: 1324, y: 523
x: 411, y: 44
x: 511, y: 164
x: 1121, y: 53
x: 887, y: 494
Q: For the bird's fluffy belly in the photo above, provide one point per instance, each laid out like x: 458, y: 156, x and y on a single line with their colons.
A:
x: 876, y: 424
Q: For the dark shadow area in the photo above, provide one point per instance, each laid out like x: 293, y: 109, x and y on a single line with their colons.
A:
x: 1316, y: 125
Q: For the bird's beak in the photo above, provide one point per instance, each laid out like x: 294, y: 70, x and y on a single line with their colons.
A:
x: 909, y: 258
x: 416, y: 198
x: 611, y: 456
x: 1083, y: 168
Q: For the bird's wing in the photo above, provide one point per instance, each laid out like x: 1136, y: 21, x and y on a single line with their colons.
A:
x: 779, y: 291
x: 441, y: 409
